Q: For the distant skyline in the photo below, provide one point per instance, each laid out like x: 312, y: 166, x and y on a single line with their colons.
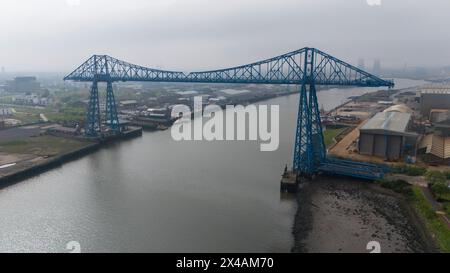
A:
x: 187, y: 35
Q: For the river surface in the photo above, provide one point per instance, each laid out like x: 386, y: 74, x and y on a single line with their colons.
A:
x: 153, y: 194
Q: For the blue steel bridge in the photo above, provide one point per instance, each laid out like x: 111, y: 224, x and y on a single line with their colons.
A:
x: 306, y: 67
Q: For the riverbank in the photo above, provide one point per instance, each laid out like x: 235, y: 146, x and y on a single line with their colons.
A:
x: 434, y: 223
x: 35, y: 168
x: 343, y: 215
x: 421, y: 198
x: 36, y: 155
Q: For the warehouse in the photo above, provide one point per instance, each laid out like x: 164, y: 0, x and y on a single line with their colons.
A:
x: 434, y: 98
x: 436, y: 146
x: 385, y: 135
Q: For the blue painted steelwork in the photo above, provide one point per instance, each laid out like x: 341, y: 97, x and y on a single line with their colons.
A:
x: 112, y: 119
x: 353, y: 168
x: 306, y: 67
x: 283, y: 69
x: 93, y: 124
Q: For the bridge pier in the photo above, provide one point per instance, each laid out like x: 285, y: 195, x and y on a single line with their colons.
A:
x: 93, y: 121
x: 93, y: 125
x: 112, y: 119
x: 317, y: 139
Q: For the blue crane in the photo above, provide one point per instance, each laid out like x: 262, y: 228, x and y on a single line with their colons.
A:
x: 306, y: 67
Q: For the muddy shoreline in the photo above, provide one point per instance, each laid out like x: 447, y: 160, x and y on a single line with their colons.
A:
x: 342, y: 215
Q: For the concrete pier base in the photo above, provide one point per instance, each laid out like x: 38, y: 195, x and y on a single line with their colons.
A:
x: 289, y: 182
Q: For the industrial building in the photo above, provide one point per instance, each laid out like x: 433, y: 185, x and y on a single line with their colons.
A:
x: 23, y: 84
x: 436, y: 146
x: 434, y: 98
x: 128, y: 104
x: 386, y: 135
x: 439, y: 115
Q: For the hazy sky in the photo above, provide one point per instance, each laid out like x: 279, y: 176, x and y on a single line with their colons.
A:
x: 58, y: 35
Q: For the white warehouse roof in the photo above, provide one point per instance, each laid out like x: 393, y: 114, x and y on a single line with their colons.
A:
x: 399, y: 108
x: 395, y: 122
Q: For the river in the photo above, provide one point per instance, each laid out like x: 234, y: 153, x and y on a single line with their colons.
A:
x: 153, y: 194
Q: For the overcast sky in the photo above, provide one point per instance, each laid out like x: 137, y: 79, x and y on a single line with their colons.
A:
x: 58, y: 35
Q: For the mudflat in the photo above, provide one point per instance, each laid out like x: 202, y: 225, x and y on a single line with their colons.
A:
x: 344, y: 215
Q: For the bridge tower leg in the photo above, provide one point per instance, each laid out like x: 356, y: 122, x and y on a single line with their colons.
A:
x: 309, y: 150
x: 317, y: 139
x: 111, y: 110
x: 302, y: 149
x: 93, y: 125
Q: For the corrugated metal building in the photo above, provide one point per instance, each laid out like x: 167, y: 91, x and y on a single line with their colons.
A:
x: 436, y: 148
x: 385, y: 135
x: 434, y: 98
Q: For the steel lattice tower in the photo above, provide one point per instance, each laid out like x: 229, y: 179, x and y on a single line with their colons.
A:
x: 93, y: 124
x: 309, y: 149
x: 111, y: 110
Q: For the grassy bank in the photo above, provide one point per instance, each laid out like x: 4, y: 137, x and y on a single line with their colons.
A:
x: 30, y: 114
x: 42, y: 145
x: 434, y: 225
x: 330, y: 133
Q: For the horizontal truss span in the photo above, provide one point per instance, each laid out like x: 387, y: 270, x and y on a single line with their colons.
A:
x: 284, y: 69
